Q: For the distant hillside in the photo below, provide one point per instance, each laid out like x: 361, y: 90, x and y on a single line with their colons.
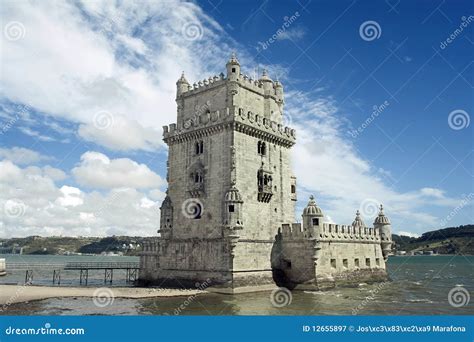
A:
x: 453, y: 240
x: 70, y: 245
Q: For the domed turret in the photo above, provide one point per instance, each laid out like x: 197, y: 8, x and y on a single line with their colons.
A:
x: 233, y: 68
x: 182, y: 85
x: 279, y: 91
x: 166, y: 219
x: 312, y: 208
x: 312, y: 218
x: 382, y: 223
x: 266, y: 82
x: 358, y: 222
x: 233, y: 208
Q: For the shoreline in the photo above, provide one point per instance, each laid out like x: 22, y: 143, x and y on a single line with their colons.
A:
x: 14, y: 294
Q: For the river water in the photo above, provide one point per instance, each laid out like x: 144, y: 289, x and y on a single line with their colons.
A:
x: 420, y: 285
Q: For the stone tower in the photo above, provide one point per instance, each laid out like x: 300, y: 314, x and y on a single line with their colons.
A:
x: 230, y: 185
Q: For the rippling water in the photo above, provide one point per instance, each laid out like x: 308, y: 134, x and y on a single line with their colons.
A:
x: 419, y: 285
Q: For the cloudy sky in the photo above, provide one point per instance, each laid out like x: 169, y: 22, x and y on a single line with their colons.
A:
x: 381, y: 96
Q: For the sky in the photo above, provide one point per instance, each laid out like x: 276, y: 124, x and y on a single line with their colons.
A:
x: 380, y: 94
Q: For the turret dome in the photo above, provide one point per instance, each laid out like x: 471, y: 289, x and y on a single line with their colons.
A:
x: 381, y: 218
x: 312, y: 208
x: 233, y: 60
x: 182, y: 79
x: 233, y: 195
x: 358, y: 222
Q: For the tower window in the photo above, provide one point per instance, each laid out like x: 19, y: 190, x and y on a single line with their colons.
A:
x: 261, y: 148
x: 315, y: 221
x: 231, y: 208
x: 293, y: 189
x: 199, y: 147
x: 233, y: 69
x: 367, y: 262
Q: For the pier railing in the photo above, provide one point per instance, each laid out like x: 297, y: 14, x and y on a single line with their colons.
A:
x: 131, y: 269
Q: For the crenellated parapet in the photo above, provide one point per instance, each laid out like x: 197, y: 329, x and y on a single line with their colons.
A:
x: 331, y: 231
x: 254, y: 124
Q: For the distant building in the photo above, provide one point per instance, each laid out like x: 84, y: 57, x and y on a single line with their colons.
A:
x: 228, y: 215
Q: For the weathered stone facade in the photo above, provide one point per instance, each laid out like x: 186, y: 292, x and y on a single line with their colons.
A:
x: 227, y: 217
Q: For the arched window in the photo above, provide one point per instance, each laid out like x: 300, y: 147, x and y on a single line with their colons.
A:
x: 199, y: 147
x: 261, y: 148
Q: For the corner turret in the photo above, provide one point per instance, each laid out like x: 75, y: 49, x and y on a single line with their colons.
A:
x: 182, y: 86
x: 312, y: 218
x: 166, y: 224
x: 233, y: 68
x: 383, y: 224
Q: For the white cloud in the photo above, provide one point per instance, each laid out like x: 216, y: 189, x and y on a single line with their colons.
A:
x: 31, y: 203
x: 22, y: 156
x: 122, y: 57
x: 409, y: 234
x: 96, y: 170
x: 122, y: 134
x: 292, y: 34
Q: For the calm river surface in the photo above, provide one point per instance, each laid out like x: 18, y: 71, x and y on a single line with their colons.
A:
x: 419, y: 286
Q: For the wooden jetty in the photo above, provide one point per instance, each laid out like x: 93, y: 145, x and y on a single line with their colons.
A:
x: 131, y: 269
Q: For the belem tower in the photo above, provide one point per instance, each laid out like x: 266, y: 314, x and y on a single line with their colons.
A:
x: 228, y: 217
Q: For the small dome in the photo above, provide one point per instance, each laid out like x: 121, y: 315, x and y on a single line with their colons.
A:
x: 381, y: 218
x: 358, y: 222
x: 312, y: 208
x: 233, y: 59
x: 182, y: 79
x: 265, y: 77
x: 233, y: 195
x: 166, y: 203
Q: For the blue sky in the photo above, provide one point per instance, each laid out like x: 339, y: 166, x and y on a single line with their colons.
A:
x: 87, y: 86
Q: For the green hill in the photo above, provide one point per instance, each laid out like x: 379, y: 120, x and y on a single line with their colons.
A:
x: 452, y: 240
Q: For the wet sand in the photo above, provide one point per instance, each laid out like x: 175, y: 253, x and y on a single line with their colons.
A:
x: 11, y: 294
